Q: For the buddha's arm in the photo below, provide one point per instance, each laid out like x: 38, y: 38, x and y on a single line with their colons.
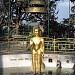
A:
x: 42, y: 47
x: 30, y: 46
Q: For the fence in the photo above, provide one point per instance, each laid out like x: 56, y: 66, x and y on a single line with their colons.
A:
x: 60, y: 45
x: 51, y: 45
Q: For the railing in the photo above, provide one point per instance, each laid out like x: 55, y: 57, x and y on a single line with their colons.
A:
x: 60, y: 45
x: 51, y: 45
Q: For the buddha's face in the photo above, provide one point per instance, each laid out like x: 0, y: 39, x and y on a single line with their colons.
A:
x: 36, y: 32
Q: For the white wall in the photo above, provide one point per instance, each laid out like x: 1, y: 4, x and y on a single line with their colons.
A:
x: 25, y: 60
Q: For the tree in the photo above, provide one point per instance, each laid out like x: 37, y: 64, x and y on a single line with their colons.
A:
x: 51, y: 19
x: 72, y: 0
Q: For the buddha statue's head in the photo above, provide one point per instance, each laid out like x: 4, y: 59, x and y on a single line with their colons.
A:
x: 37, y: 31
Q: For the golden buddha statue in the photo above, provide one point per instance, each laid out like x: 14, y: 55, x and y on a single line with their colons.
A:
x: 37, y: 47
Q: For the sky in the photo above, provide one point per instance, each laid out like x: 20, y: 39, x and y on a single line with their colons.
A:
x: 63, y: 8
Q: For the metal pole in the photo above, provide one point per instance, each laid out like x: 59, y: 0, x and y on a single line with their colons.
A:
x: 9, y: 10
x: 74, y: 13
x: 48, y: 18
x: 69, y: 10
x: 54, y: 43
x: 8, y: 25
x: 69, y: 18
x: 28, y: 19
